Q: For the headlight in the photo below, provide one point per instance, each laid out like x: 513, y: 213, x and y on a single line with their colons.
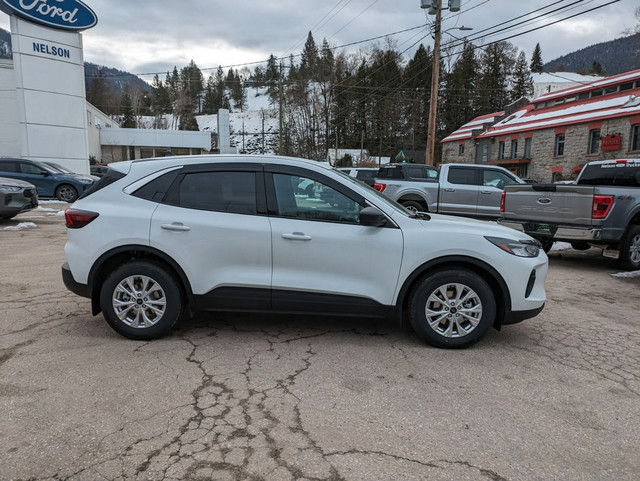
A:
x: 522, y: 248
x: 85, y: 180
x: 9, y: 189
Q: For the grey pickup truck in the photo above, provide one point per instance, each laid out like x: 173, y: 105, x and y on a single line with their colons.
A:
x: 470, y: 190
x: 601, y: 208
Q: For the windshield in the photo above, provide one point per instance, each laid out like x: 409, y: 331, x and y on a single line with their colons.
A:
x: 379, y: 196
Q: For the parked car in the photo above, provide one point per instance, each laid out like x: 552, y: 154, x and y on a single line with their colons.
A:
x: 98, y: 170
x: 601, y: 208
x: 470, y: 190
x: 48, y: 181
x: 63, y: 170
x: 16, y: 196
x: 154, y: 240
x: 363, y: 174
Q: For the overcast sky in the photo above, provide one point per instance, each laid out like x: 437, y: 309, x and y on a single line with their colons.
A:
x: 152, y: 36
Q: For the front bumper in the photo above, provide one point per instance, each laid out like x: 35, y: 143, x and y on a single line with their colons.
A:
x: 513, y: 317
x: 70, y: 283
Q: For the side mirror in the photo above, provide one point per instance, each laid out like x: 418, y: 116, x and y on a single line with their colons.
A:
x: 44, y: 173
x: 372, y: 217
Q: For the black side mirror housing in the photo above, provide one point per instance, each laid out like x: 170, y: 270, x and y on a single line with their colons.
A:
x: 372, y: 217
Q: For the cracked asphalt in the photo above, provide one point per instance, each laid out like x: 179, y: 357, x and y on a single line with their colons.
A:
x: 249, y: 397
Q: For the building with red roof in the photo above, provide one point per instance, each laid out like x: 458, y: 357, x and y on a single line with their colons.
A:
x: 553, y: 136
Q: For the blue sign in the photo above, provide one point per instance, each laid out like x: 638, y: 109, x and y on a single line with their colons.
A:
x: 60, y: 14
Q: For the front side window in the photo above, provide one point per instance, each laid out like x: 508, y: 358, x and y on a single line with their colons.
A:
x: 304, y: 198
x: 514, y: 149
x: 220, y: 191
x: 501, y: 151
x: 559, y: 149
x: 31, y: 169
x: 495, y: 178
x: 635, y: 137
x: 594, y: 141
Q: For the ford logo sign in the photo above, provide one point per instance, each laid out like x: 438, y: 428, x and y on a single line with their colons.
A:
x: 61, y: 14
x: 544, y: 200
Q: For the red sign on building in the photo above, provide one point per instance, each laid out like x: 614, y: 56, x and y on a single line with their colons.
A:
x: 611, y: 142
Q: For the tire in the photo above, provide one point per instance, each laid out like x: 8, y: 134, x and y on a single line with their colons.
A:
x: 458, y: 324
x: 547, y: 244
x: 630, y: 249
x: 413, y: 206
x: 129, y: 315
x: 66, y: 193
x: 580, y: 245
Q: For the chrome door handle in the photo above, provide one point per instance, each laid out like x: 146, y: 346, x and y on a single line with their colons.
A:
x: 176, y: 226
x: 485, y: 192
x: 449, y: 189
x: 297, y: 236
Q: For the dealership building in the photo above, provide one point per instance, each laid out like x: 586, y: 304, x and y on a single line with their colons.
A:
x: 553, y: 136
x: 44, y: 115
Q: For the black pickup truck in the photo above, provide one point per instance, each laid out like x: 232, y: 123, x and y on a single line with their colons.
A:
x: 601, y: 208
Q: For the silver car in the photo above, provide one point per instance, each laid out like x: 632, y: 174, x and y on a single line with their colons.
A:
x: 16, y: 196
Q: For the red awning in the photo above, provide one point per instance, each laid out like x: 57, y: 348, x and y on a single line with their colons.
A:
x: 575, y: 170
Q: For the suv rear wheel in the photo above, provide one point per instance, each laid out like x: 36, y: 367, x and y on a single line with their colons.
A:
x: 66, y: 193
x: 452, y: 308
x: 141, y: 300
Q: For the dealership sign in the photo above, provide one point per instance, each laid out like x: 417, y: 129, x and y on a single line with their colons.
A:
x: 59, y: 14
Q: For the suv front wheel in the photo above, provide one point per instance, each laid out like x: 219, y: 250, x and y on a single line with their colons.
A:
x: 452, y: 308
x: 141, y: 300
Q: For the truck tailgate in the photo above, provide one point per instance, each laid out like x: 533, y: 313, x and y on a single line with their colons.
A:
x: 549, y: 203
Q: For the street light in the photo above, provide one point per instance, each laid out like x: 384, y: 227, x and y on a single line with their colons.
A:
x: 435, y: 7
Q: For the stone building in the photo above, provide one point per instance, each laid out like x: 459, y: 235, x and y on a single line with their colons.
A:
x: 553, y: 136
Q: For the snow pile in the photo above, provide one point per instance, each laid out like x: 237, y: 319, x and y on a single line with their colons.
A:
x: 44, y: 209
x: 59, y: 213
x: 627, y: 275
x: 560, y: 246
x: 52, y: 202
x: 21, y: 226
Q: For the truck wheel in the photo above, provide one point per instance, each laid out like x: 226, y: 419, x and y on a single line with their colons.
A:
x: 413, y: 206
x: 453, y: 308
x: 630, y: 249
x: 141, y: 300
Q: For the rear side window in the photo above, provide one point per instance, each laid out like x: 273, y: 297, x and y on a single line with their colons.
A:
x: 366, y: 174
x: 462, y: 176
x: 109, y: 178
x: 618, y: 174
x: 390, y: 173
x: 220, y: 191
x: 8, y: 167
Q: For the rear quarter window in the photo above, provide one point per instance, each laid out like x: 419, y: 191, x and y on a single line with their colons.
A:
x: 390, y: 173
x: 109, y: 178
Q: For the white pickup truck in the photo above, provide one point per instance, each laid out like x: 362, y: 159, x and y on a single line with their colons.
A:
x: 470, y: 190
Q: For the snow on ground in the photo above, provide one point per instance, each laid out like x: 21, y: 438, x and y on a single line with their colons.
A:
x: 21, y: 226
x: 44, y: 209
x: 560, y: 246
x: 627, y: 275
x: 51, y: 202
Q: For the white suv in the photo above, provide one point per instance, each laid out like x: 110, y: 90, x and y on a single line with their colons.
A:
x: 156, y: 239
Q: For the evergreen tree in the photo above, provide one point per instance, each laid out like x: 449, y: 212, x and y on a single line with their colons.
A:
x: 212, y: 100
x: 309, y: 58
x: 522, y: 81
x: 496, y: 66
x: 536, y: 60
x: 126, y: 109
x: 461, y: 97
x: 160, y: 100
x: 596, y: 69
x: 417, y: 83
x: 99, y: 92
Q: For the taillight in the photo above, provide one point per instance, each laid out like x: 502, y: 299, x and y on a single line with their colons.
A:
x: 380, y: 187
x: 75, y: 219
x: 502, y: 201
x: 602, y: 204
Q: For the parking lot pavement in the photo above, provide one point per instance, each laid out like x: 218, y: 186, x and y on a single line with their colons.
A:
x: 279, y: 398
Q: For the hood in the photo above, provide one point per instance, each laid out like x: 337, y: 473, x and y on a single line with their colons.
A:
x: 465, y: 225
x: 15, y: 183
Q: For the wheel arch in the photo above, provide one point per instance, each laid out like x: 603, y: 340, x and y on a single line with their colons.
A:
x: 414, y: 197
x: 118, y: 256
x: 497, y: 284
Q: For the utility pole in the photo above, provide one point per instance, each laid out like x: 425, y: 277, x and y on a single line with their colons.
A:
x: 280, y: 102
x: 435, y: 79
x: 435, y: 7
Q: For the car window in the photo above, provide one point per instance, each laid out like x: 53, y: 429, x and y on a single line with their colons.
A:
x: 30, y: 168
x: 305, y: 198
x: 495, y: 178
x: 461, y: 175
x: 625, y: 174
x: 9, y: 167
x: 220, y: 191
x: 366, y: 174
x: 416, y: 172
